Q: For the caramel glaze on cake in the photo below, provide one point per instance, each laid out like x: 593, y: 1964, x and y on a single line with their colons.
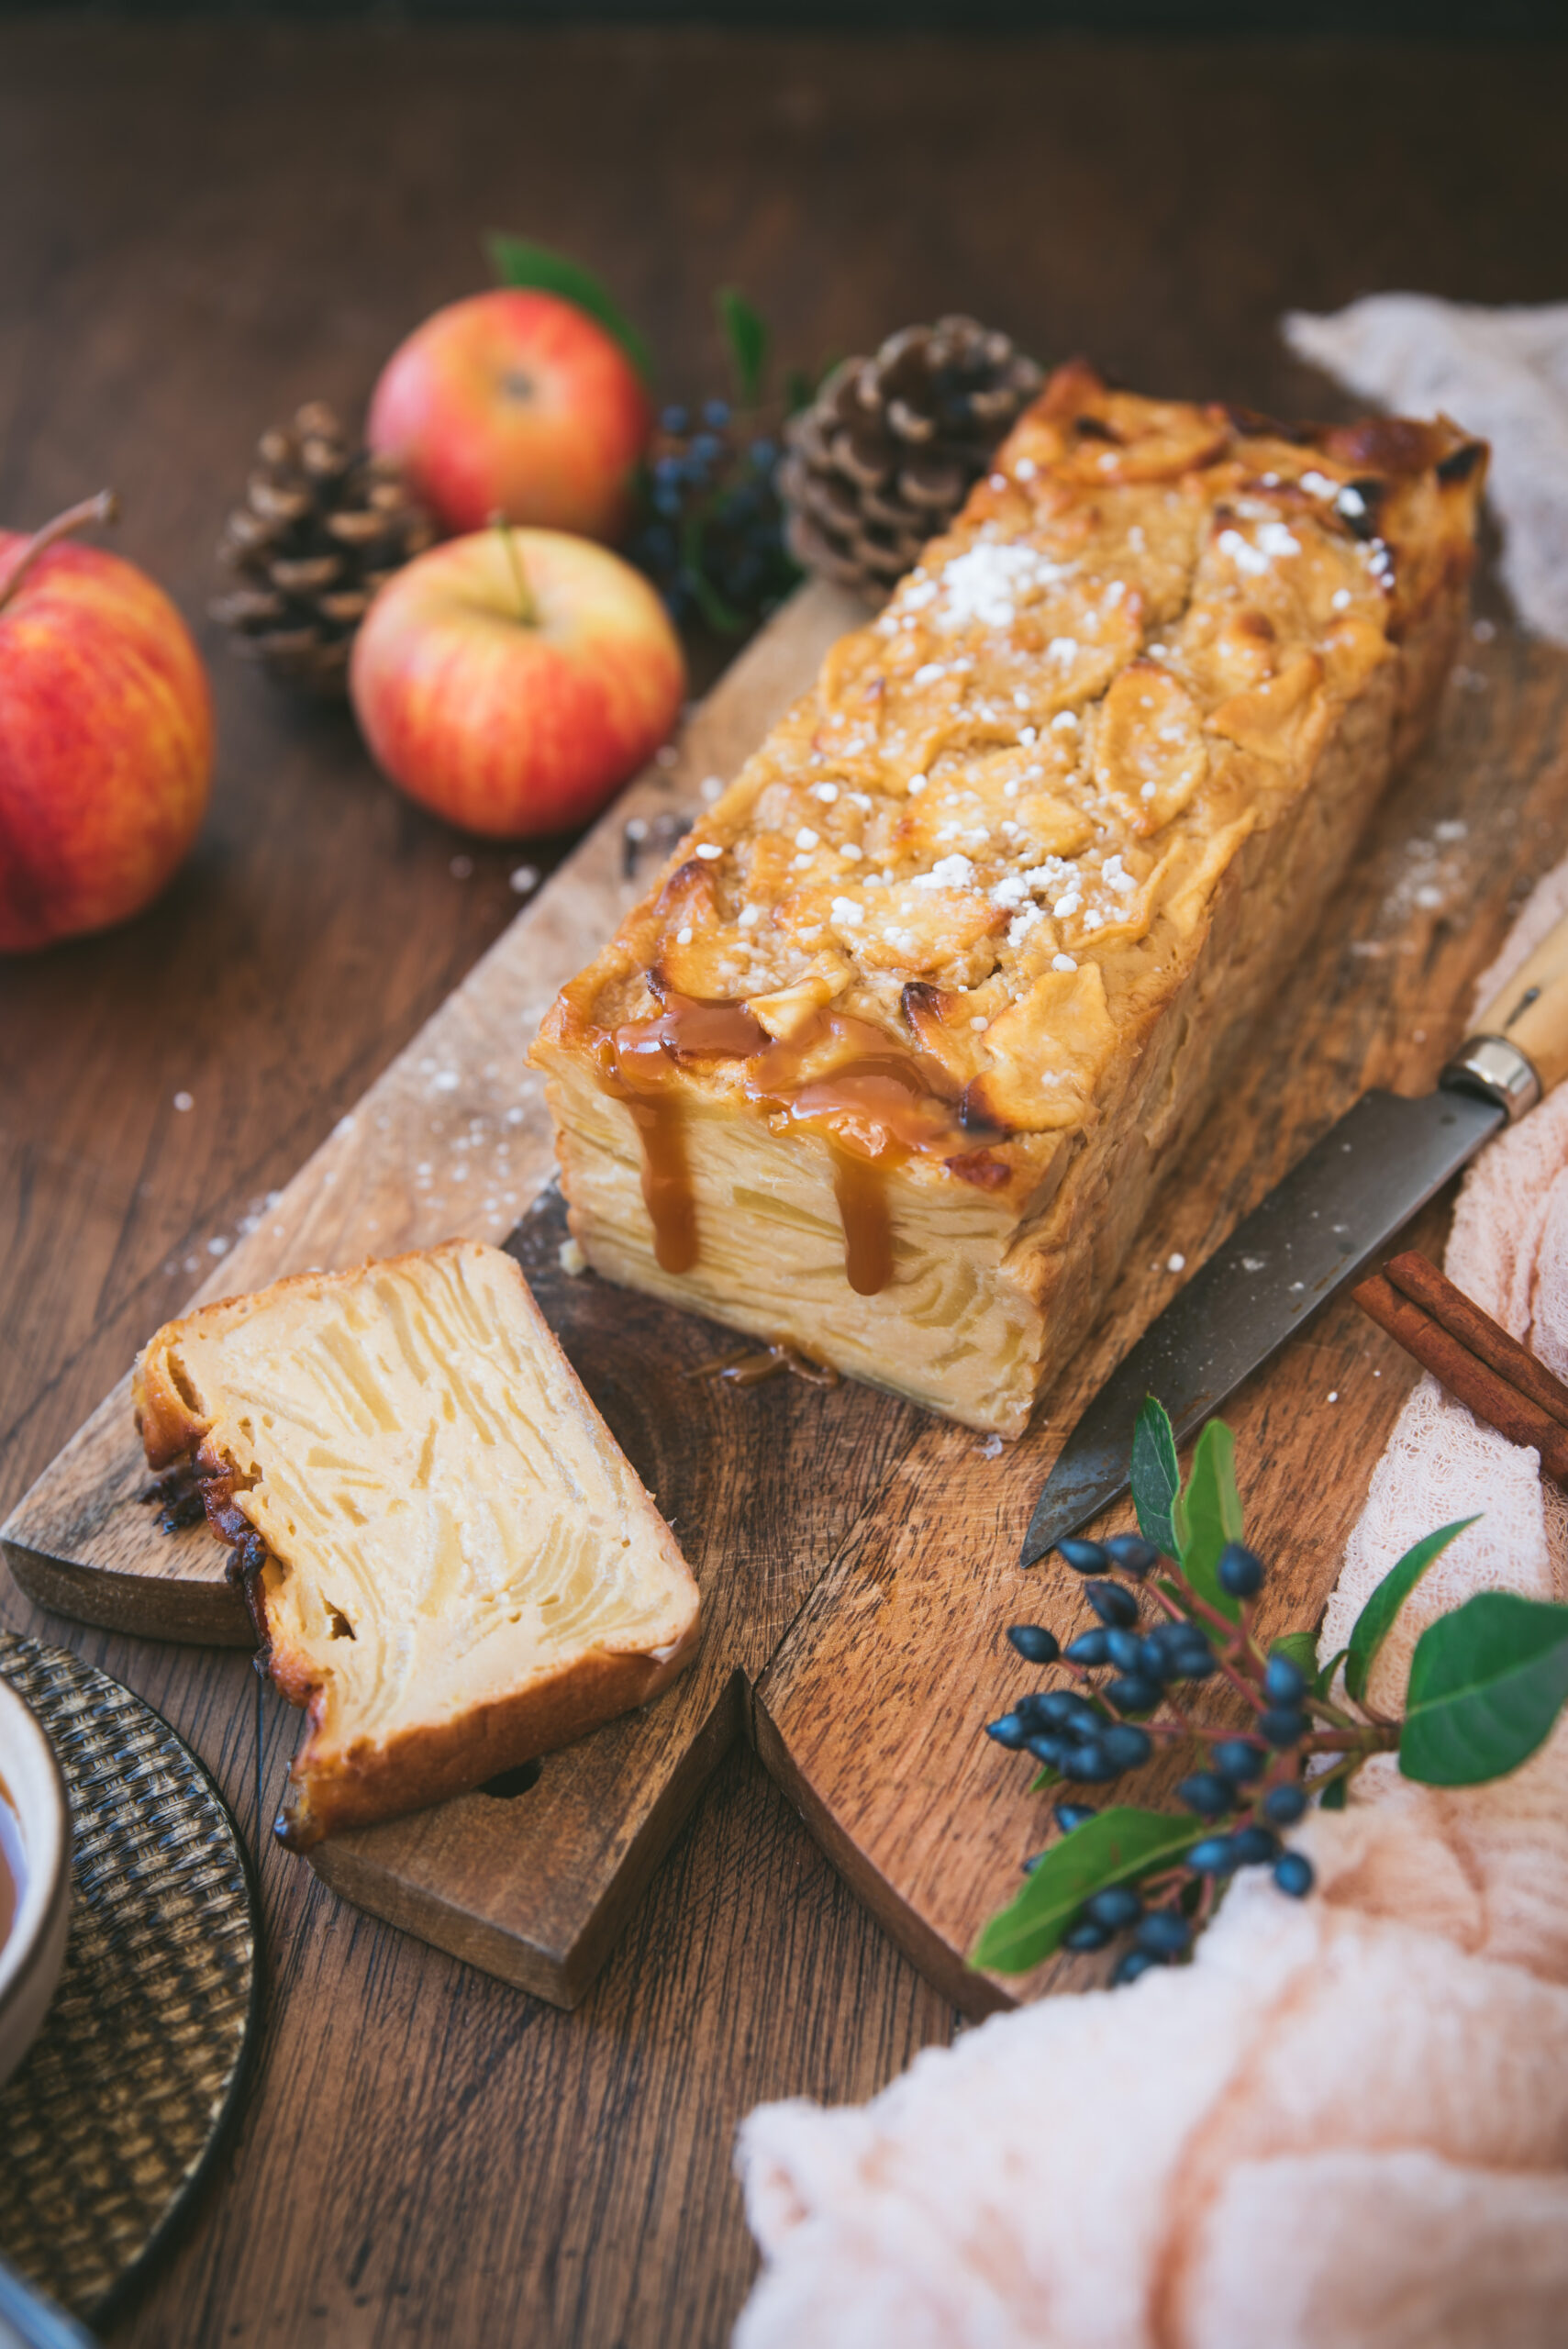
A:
x: 888, y: 1064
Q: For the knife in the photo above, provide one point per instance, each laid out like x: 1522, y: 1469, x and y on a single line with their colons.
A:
x: 1316, y: 1230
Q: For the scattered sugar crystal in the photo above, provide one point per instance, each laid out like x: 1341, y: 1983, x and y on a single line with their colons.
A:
x: 709, y: 851
x: 807, y: 839
x: 1070, y: 903
x: 1146, y: 790
x: 1333, y: 1393
x: 219, y: 1247
x: 572, y: 1258
x: 1009, y: 791
x: 1026, y: 469
x: 949, y: 873
x: 919, y: 592
x: 523, y: 878
x: 712, y: 787
x: 916, y: 784
x: 985, y: 580
x: 747, y: 918
x: 1429, y: 897
x: 1452, y: 828
x: 1175, y: 1261
x: 1063, y: 649
x: 851, y: 850
x: 826, y: 792
x: 1062, y: 962
x: 1028, y: 736
x: 185, y: 1101
x: 929, y: 672
x: 979, y: 1021
x: 345, y: 1126
x: 461, y: 868
x: 992, y: 1447
x: 1338, y: 601
x: 1484, y: 631
x: 683, y: 937
x: 1319, y: 485
x: 445, y: 1080
x: 1021, y: 924
x: 859, y: 798
x: 515, y: 1116
x: 847, y: 911
x: 1064, y: 722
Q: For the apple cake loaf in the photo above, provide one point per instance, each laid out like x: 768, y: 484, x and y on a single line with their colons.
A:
x: 888, y: 1062
x: 447, y: 1557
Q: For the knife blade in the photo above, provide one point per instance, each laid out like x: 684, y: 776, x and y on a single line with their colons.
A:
x: 1353, y: 1190
x: 1320, y: 1225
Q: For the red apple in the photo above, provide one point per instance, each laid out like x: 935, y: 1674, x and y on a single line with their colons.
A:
x: 105, y: 736
x: 519, y: 404
x: 511, y: 681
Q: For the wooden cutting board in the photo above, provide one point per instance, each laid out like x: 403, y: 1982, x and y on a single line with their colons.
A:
x: 857, y: 1557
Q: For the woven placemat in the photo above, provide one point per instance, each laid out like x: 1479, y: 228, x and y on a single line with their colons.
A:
x: 109, y: 2123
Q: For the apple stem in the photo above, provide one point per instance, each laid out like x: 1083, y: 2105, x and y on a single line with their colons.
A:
x: 527, y: 610
x: 104, y: 508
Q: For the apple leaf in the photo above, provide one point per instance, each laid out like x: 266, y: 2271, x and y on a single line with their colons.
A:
x: 1116, y: 1846
x: 746, y: 332
x: 1376, y: 1618
x: 1487, y: 1681
x: 517, y: 261
x: 1210, y: 1516
x: 1334, y: 1797
x: 1156, y: 1478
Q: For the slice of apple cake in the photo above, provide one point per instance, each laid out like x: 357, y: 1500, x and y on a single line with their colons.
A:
x: 449, y: 1560
x: 887, y: 1064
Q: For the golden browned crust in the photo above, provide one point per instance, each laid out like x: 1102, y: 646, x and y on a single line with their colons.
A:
x: 965, y: 945
x: 341, y: 1778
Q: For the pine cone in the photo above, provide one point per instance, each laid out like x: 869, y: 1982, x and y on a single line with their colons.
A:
x: 323, y: 525
x: 888, y: 450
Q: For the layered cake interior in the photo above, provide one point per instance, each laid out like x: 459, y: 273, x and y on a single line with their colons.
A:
x: 449, y: 1560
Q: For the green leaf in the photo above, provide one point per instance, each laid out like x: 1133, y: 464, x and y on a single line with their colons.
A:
x: 518, y: 261
x: 1486, y: 1684
x: 1376, y: 1618
x: 1335, y: 1798
x: 1210, y: 1515
x: 747, y: 333
x: 1156, y: 1480
x: 1050, y: 1775
x: 1114, y: 1847
x: 1299, y: 1648
x: 1325, y: 1679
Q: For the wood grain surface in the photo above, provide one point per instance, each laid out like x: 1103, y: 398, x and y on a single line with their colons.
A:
x: 207, y: 224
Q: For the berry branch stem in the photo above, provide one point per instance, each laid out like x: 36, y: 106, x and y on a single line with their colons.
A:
x: 103, y: 508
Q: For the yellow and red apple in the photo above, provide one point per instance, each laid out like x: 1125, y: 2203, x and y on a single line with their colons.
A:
x: 515, y: 403
x: 105, y: 737
x: 511, y: 681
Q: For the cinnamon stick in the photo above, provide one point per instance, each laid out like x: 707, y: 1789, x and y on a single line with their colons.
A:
x: 1419, y: 1278
x: 1468, y: 1378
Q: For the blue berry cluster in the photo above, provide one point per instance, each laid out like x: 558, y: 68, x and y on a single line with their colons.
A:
x: 710, y: 529
x: 1155, y: 1641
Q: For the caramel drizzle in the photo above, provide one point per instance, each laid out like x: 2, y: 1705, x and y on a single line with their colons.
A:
x: 876, y: 1106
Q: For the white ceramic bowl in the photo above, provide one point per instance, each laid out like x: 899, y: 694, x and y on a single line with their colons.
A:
x: 32, y: 1952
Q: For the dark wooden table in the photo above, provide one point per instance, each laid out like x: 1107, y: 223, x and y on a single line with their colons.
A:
x: 204, y: 225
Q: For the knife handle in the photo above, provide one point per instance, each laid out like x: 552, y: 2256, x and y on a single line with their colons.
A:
x: 1526, y: 1020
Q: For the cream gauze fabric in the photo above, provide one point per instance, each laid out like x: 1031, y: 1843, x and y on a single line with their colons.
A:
x: 1503, y: 374
x: 1345, y: 2124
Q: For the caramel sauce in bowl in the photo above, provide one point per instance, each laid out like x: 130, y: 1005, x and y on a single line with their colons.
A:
x: 35, y: 1876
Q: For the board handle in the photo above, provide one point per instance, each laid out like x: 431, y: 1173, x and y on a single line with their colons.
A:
x: 1518, y: 1048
